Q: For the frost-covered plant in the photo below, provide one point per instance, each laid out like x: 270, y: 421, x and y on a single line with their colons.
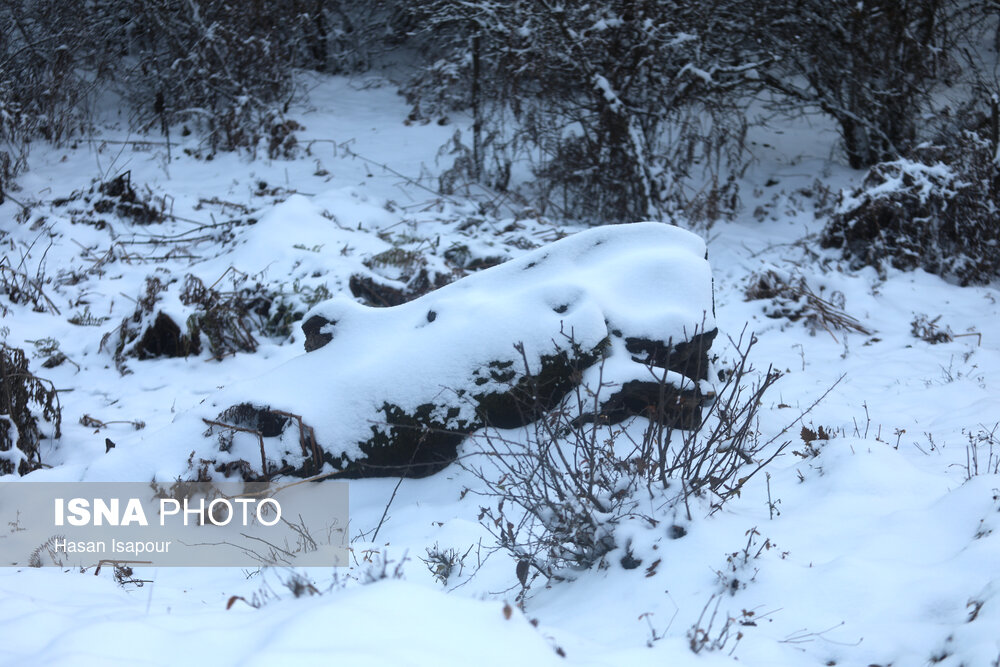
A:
x: 869, y: 66
x: 936, y: 210
x: 615, y: 105
x: 23, y: 399
x: 19, y: 286
x: 558, y: 497
x: 44, y: 93
x: 224, y: 321
x: 442, y: 563
x: 221, y: 67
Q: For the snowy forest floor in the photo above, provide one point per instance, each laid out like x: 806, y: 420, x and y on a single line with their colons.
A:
x: 878, y: 545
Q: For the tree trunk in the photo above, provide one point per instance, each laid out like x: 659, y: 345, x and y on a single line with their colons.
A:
x: 477, y: 120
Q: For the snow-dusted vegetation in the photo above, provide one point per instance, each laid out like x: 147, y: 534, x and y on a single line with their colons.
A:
x: 648, y: 333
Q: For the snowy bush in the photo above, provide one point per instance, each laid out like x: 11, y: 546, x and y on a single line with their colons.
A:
x: 868, y: 66
x: 614, y: 106
x: 936, y: 211
x: 227, y: 72
x: 43, y: 91
x: 215, y: 66
x: 558, y: 496
x: 195, y: 316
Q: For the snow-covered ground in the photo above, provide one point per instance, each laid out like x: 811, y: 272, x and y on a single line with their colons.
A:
x: 876, y: 546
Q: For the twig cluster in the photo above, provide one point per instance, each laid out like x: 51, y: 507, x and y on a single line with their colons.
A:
x: 559, y: 489
x: 792, y: 298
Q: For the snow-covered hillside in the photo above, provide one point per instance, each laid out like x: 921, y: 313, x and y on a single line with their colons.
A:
x: 873, y: 538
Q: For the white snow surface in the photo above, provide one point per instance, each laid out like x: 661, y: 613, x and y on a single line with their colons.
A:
x: 881, y: 549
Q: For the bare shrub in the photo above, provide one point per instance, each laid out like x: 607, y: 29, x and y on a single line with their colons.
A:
x: 558, y: 494
x: 935, y: 211
x: 704, y: 635
x: 23, y: 399
x: 22, y: 286
x: 985, y: 440
x: 224, y: 71
x: 870, y: 67
x: 44, y: 90
x: 617, y: 109
x: 227, y: 321
x: 215, y: 67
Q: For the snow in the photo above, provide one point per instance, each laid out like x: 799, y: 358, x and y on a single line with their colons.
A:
x: 883, y: 547
x: 307, y: 632
x: 905, y: 174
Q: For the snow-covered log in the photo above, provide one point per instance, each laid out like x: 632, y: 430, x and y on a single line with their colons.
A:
x: 390, y: 391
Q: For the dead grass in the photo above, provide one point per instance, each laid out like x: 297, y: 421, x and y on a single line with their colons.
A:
x: 24, y: 398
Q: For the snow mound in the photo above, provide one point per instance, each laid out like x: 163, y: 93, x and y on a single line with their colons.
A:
x: 395, y: 390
